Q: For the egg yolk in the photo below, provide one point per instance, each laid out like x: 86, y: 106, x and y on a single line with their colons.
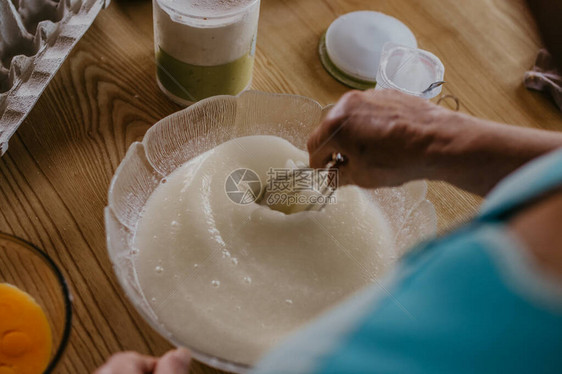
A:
x: 25, y: 334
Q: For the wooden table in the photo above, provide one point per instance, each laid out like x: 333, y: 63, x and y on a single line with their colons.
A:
x: 55, y: 176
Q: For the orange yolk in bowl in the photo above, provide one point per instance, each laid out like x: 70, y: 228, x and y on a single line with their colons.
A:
x: 25, y: 334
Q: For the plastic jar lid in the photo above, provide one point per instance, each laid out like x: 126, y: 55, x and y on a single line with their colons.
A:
x: 351, y: 48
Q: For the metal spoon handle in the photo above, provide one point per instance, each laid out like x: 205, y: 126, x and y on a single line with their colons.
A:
x: 328, y: 191
x: 433, y: 86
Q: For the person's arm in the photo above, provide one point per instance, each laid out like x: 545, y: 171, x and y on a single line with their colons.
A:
x: 389, y: 138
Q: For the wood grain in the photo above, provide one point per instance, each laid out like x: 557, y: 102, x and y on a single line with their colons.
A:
x: 55, y: 176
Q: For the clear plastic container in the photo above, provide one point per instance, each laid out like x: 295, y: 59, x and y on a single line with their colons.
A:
x: 204, y: 48
x: 410, y: 70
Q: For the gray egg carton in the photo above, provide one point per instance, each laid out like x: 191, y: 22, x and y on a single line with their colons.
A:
x: 35, y: 38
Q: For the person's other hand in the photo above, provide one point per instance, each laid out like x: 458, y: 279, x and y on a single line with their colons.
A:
x: 384, y: 135
x: 173, y: 362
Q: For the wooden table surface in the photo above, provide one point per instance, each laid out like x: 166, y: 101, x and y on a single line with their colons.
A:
x: 55, y: 176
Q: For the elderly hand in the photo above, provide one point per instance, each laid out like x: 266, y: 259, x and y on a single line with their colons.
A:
x: 384, y: 136
x: 173, y: 362
x: 389, y: 138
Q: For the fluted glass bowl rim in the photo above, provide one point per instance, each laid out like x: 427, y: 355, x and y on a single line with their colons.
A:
x: 141, y: 153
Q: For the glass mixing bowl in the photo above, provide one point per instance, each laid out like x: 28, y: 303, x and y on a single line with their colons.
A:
x: 190, y: 132
x: 28, y: 268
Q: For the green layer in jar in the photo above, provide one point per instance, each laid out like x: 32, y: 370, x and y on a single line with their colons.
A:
x: 196, y: 82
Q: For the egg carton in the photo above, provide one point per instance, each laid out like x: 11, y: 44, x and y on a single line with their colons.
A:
x: 35, y: 38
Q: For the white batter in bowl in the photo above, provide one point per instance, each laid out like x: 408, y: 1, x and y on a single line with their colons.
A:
x: 233, y: 279
x: 228, y: 280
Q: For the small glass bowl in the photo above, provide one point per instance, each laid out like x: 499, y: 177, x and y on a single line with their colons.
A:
x: 31, y: 270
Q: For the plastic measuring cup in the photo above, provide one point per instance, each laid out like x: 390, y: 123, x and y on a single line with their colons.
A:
x: 410, y: 70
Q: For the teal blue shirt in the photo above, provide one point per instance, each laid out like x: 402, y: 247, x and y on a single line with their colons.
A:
x: 470, y: 302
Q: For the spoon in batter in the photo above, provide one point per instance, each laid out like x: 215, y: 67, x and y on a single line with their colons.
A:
x: 325, y: 192
x: 329, y: 188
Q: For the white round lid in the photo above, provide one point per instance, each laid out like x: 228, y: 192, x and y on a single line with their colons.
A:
x: 354, y: 41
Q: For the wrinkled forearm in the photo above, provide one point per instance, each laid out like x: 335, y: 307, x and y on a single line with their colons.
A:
x: 475, y: 154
